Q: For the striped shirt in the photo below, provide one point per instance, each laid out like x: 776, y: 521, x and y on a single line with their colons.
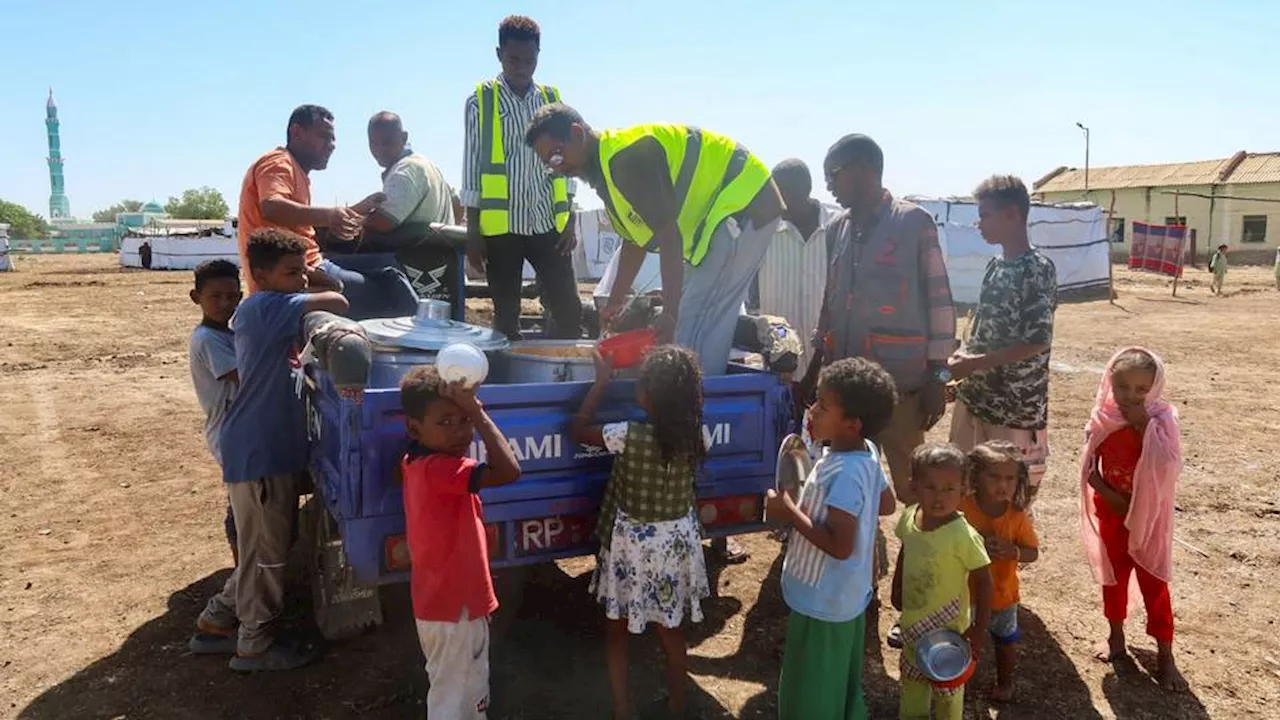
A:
x: 528, y: 183
x: 814, y: 583
x: 792, y: 278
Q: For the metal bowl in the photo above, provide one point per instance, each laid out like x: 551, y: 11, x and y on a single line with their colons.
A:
x: 793, y: 467
x: 944, y: 656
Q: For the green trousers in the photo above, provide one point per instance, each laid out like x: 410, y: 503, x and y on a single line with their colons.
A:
x: 822, y: 670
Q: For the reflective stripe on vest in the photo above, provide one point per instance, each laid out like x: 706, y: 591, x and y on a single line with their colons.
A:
x: 713, y: 178
x: 495, y: 195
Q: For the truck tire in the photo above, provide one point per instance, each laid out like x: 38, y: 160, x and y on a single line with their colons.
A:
x: 341, y: 607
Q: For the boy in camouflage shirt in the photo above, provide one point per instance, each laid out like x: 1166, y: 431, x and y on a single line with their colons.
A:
x: 1003, y: 367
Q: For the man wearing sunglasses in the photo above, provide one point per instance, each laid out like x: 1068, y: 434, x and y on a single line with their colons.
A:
x: 705, y: 204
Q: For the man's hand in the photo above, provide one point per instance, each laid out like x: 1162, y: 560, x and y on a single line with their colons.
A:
x: 961, y: 365
x: 369, y: 204
x: 477, y: 251
x: 933, y: 402
x: 345, y: 222
x: 463, y: 396
x: 664, y: 324
x: 568, y: 240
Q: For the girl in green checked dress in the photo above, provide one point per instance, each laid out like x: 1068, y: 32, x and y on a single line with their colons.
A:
x: 650, y: 567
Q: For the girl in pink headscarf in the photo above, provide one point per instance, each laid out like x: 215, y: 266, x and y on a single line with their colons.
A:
x: 1129, y: 474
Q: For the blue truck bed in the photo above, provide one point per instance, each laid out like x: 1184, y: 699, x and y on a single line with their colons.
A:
x: 550, y: 512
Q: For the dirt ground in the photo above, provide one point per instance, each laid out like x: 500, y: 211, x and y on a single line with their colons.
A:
x: 112, y: 536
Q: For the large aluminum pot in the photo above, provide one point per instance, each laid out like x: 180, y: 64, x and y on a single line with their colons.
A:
x: 548, y: 361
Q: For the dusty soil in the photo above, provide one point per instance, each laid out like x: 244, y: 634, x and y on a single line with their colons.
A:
x: 112, y: 536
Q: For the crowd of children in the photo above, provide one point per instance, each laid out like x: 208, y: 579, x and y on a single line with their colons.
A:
x: 963, y: 537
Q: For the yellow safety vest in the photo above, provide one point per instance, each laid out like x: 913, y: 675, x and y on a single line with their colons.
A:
x: 495, y: 199
x: 713, y: 176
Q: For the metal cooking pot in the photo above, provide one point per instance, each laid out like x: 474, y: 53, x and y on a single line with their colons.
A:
x: 517, y: 367
x: 401, y: 344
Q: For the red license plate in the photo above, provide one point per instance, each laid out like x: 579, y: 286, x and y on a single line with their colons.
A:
x: 554, y: 533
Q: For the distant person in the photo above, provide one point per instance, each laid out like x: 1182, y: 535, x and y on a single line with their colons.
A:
x: 997, y: 510
x: 415, y: 192
x: 452, y: 591
x: 276, y: 192
x: 212, y: 356
x: 1129, y: 479
x: 1218, y: 266
x: 264, y: 450
x: 942, y: 578
x: 826, y: 575
x: 710, y: 224
x: 794, y: 271
x: 1003, y: 367
x: 650, y: 568
x: 515, y: 210
x: 1278, y: 268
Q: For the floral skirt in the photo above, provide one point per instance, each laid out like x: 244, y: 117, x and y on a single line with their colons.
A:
x: 652, y: 572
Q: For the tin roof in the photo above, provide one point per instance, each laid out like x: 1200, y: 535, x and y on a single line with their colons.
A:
x: 1241, y: 168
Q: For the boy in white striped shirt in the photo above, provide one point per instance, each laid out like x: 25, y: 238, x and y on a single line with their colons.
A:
x: 826, y: 574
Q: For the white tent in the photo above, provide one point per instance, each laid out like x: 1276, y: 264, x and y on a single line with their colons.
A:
x: 178, y: 252
x: 1072, y: 235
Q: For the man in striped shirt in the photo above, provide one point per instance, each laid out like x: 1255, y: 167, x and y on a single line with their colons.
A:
x: 795, y: 265
x: 513, y: 212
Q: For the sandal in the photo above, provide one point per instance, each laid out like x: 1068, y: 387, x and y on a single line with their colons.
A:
x: 277, y: 657
x: 894, y: 637
x: 732, y: 554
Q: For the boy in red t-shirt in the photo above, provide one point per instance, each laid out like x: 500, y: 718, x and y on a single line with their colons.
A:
x: 452, y: 590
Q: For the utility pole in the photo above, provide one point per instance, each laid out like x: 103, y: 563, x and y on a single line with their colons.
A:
x: 1086, y: 156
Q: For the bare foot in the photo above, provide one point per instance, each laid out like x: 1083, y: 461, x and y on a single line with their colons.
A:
x: 1167, y: 673
x: 1001, y: 692
x: 1112, y: 651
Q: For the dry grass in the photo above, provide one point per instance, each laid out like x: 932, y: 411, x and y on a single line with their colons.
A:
x: 112, y: 535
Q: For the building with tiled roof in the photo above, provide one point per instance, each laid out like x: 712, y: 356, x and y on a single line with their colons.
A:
x: 1233, y: 200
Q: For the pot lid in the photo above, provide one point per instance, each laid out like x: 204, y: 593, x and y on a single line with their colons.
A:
x: 420, y: 333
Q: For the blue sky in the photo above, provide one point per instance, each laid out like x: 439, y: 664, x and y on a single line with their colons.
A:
x: 156, y: 97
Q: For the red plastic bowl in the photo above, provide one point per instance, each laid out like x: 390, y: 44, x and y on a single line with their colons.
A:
x: 627, y: 349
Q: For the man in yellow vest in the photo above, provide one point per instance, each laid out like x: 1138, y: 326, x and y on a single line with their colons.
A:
x: 515, y: 211
x: 702, y: 201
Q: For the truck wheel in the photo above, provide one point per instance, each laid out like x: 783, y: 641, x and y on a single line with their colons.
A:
x: 342, y: 607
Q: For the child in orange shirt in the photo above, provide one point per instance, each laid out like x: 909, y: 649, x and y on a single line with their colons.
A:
x: 996, y: 509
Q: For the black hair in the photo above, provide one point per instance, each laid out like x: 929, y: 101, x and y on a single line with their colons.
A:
x: 386, y: 120
x: 268, y: 246
x: 793, y: 173
x: 419, y: 388
x: 1223, y: 246
x: 554, y: 119
x: 308, y: 115
x: 1135, y: 359
x: 520, y: 29
x: 671, y: 381
x: 864, y: 390
x: 994, y: 452
x: 856, y: 149
x: 933, y: 455
x: 215, y: 269
x: 1005, y: 191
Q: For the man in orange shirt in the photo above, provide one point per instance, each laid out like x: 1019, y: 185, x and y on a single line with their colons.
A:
x: 276, y: 192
